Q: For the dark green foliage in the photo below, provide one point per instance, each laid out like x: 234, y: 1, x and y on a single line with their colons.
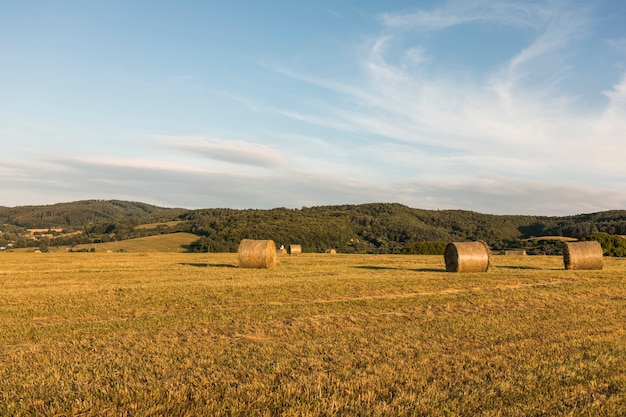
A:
x: 80, y: 214
x: 544, y: 247
x: 612, y: 222
x: 424, y: 248
x: 365, y: 228
x: 612, y: 245
x: 223, y: 229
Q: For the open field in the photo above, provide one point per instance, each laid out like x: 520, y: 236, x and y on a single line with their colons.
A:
x: 171, y: 242
x: 369, y: 335
x: 155, y: 225
x: 557, y: 238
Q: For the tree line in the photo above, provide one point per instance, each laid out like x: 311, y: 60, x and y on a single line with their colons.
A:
x: 365, y: 228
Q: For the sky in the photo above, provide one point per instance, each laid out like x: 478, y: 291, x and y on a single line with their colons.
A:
x: 502, y: 107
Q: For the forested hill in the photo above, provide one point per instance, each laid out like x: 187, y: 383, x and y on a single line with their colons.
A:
x: 81, y: 214
x: 364, y: 228
x: 386, y: 227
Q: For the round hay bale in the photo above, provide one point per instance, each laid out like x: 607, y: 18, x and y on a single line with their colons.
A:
x: 331, y: 251
x: 294, y: 249
x: 583, y: 255
x: 467, y: 257
x: 257, y: 253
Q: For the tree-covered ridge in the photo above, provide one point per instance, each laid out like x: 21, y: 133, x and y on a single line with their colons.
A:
x: 80, y: 214
x: 389, y: 227
x: 363, y: 228
x: 223, y: 229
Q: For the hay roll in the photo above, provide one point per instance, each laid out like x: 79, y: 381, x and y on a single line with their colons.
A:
x: 257, y: 253
x: 466, y: 257
x: 331, y: 251
x: 583, y: 255
x: 515, y: 252
x: 294, y: 249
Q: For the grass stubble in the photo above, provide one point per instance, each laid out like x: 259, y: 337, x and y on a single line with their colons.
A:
x: 370, y: 335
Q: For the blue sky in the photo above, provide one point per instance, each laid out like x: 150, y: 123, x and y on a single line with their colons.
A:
x: 505, y: 107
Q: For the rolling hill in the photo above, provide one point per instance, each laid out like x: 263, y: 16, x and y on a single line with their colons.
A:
x: 81, y: 214
x: 364, y: 228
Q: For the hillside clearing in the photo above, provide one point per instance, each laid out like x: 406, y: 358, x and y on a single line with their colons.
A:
x: 172, y: 242
x: 158, y: 224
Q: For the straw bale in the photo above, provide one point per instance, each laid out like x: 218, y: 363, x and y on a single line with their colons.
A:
x: 583, y: 255
x: 515, y: 252
x: 257, y: 253
x: 467, y: 257
x: 294, y: 249
x: 331, y: 251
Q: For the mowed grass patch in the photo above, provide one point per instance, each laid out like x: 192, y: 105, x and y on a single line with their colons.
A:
x: 170, y: 242
x: 192, y: 334
x: 159, y: 224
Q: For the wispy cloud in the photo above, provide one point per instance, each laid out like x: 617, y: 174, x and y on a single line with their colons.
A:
x: 118, y: 165
x: 176, y: 185
x: 516, y: 119
x: 515, y: 134
x: 544, y: 63
x: 618, y: 44
x: 453, y: 13
x: 408, y: 115
x: 232, y: 151
x: 172, y: 185
x: 499, y: 195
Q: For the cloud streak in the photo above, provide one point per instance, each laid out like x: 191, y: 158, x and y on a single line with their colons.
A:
x: 517, y: 120
x: 170, y: 184
x: 232, y: 151
x: 454, y: 13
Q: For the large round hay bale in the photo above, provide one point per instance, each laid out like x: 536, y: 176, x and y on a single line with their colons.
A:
x: 331, y: 251
x: 466, y: 257
x: 583, y: 255
x: 257, y: 253
x: 294, y: 249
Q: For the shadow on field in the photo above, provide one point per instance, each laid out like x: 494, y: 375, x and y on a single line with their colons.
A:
x: 375, y: 268
x: 389, y: 268
x: 427, y: 270
x: 210, y: 265
x: 520, y: 267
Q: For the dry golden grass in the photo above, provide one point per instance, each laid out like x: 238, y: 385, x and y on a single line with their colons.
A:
x: 557, y: 238
x: 155, y: 225
x: 171, y: 242
x: 355, y: 335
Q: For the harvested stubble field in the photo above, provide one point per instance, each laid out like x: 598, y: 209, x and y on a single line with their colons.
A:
x: 353, y: 335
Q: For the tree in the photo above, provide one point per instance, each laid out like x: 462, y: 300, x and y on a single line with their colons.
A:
x: 612, y: 245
